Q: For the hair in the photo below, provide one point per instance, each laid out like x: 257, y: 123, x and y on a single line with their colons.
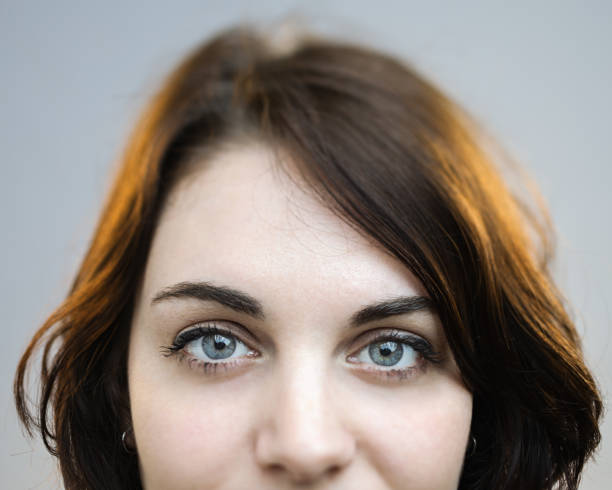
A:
x: 398, y: 160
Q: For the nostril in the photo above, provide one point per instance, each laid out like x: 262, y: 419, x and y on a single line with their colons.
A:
x: 276, y: 468
x: 309, y: 478
x: 333, y: 471
x: 300, y: 474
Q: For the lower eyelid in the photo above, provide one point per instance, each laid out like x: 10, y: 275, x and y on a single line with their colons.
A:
x: 235, y: 366
x: 388, y: 375
x: 214, y: 367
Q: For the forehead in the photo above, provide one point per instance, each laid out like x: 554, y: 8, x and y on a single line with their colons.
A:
x: 236, y: 218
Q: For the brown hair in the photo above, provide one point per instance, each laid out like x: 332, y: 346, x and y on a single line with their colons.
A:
x: 397, y: 159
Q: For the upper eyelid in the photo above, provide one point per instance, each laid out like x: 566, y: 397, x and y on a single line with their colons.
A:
x: 362, y: 340
x: 237, y: 330
x: 399, y: 334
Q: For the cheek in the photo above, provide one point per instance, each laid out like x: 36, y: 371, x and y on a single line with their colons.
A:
x: 186, y: 434
x: 417, y: 438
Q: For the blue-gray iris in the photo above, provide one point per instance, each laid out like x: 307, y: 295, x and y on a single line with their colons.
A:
x: 218, y: 346
x: 387, y: 352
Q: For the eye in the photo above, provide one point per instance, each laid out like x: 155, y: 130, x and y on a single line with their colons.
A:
x: 395, y: 353
x: 209, y: 345
x: 388, y: 353
x: 214, y: 346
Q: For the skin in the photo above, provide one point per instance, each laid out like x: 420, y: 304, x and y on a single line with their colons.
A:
x: 299, y: 413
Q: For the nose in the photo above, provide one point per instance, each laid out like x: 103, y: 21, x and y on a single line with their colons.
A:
x: 301, y: 436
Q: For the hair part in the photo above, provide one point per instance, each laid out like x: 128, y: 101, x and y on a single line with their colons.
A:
x: 396, y: 159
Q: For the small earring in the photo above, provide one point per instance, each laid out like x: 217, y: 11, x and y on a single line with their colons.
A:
x: 124, y: 442
x: 473, y: 446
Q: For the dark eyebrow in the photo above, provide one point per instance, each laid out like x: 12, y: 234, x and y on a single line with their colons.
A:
x: 204, y: 291
x: 244, y: 303
x: 396, y: 306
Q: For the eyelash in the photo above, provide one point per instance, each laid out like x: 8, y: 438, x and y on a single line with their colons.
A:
x: 200, y: 331
x: 422, y: 348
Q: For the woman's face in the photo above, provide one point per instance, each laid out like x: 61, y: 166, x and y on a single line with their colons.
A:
x: 273, y: 346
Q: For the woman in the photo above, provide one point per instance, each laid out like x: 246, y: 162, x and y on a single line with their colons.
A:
x: 309, y: 273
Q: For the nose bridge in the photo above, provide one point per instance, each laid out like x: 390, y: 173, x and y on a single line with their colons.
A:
x: 303, y: 433
x: 304, y: 401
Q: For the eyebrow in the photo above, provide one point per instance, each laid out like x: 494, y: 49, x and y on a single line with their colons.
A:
x: 204, y: 291
x: 242, y: 302
x: 400, y: 305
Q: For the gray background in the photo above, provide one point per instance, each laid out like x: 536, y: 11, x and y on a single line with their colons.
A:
x: 537, y: 74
